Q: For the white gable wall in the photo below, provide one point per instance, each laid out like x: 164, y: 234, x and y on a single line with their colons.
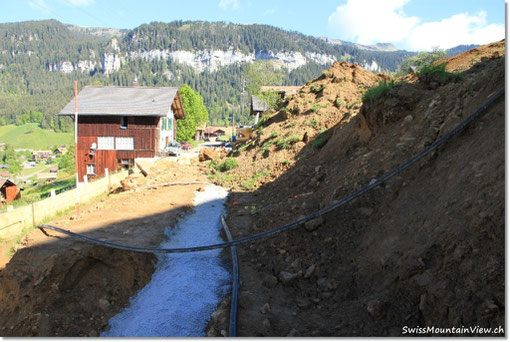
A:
x: 166, y: 126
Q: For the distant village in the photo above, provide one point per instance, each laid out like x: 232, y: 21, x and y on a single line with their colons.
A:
x: 40, y: 168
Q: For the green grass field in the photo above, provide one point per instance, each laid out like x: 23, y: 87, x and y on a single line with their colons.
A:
x: 31, y: 170
x: 30, y: 136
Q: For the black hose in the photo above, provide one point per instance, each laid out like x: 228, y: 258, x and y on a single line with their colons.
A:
x: 305, y: 219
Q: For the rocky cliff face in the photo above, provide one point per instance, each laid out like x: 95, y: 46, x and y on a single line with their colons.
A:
x: 211, y: 60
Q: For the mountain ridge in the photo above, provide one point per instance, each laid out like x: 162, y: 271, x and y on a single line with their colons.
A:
x: 40, y: 59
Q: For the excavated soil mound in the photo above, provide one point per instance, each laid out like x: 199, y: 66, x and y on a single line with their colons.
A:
x: 424, y: 249
x: 333, y: 98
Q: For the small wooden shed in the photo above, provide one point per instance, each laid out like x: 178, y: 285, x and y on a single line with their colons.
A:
x: 9, y: 191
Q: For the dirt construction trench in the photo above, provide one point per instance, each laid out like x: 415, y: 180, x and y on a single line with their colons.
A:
x: 59, y: 286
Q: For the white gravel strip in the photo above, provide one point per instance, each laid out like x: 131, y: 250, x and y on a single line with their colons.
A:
x: 185, y: 288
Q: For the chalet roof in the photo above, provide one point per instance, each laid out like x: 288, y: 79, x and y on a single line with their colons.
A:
x: 46, y: 175
x: 285, y: 90
x: 258, y: 105
x: 215, y: 129
x: 6, y: 181
x: 127, y: 101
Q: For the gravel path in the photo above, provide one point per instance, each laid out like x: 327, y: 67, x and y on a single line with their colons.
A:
x: 185, y: 288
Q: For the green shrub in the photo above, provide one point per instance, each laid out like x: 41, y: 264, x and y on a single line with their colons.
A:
x: 315, y: 108
x: 273, y: 134
x: 284, y: 144
x: 321, y: 139
x: 379, y: 90
x: 290, y: 124
x: 317, y: 88
x: 228, y: 164
x: 265, y: 146
x: 325, y: 74
x: 339, y: 103
x: 313, y: 123
x: 437, y: 73
x: 250, y: 182
x: 262, y: 121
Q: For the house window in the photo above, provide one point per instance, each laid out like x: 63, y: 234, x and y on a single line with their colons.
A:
x: 125, y: 163
x: 105, y: 143
x: 123, y: 122
x: 125, y: 143
x: 91, y: 169
x: 166, y: 124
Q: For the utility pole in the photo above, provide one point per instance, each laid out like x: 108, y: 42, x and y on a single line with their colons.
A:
x: 243, y: 85
x: 76, y: 147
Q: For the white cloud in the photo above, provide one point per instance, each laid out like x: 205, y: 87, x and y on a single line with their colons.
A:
x: 39, y: 5
x: 375, y: 21
x: 456, y: 30
x: 229, y: 4
x: 79, y: 2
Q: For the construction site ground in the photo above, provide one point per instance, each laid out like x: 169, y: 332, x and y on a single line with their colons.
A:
x: 60, y: 286
x: 425, y: 248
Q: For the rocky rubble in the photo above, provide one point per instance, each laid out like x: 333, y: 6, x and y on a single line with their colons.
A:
x: 425, y: 248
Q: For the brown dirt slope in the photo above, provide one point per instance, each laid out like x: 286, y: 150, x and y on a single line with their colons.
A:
x: 332, y: 99
x: 426, y: 248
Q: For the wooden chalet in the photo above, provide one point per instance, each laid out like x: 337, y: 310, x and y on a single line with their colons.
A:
x: 118, y: 124
x: 9, y: 191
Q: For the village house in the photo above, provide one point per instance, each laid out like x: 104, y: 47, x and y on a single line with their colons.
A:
x: 42, y: 156
x: 199, y: 134
x: 47, y: 176
x: 118, y: 124
x: 9, y: 191
x: 258, y: 106
x: 214, y: 132
x: 60, y: 150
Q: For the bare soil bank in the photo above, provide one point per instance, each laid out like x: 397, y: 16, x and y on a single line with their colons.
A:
x: 425, y: 248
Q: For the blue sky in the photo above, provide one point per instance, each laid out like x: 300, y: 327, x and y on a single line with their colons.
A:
x: 408, y: 24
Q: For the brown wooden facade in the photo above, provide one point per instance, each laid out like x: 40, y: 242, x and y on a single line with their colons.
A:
x: 8, y: 191
x: 143, y: 129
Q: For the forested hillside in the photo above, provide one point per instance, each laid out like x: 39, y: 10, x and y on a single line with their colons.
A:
x: 39, y: 61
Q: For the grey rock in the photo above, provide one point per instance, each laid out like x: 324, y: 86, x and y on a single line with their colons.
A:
x: 270, y: 281
x: 366, y: 211
x: 293, y: 333
x: 314, y: 224
x: 309, y: 271
x: 287, y: 277
x: 375, y: 308
x: 103, y: 304
x: 265, y: 308
x: 303, y: 303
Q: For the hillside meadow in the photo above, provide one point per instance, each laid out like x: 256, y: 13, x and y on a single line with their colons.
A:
x: 31, y: 136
